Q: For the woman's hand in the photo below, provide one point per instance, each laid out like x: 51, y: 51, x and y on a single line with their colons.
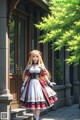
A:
x: 22, y: 88
x: 51, y: 84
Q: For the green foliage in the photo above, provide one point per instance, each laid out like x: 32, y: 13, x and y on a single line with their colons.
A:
x: 62, y: 26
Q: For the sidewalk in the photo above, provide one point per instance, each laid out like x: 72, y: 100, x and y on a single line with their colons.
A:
x: 65, y: 113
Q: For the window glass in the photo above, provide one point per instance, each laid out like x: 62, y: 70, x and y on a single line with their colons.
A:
x: 21, y: 43
x: 12, y: 42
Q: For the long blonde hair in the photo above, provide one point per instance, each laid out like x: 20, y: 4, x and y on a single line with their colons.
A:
x: 40, y: 61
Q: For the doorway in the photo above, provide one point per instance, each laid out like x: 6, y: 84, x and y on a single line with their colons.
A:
x: 18, y: 51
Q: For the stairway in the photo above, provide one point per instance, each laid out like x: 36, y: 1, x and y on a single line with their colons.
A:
x: 21, y: 114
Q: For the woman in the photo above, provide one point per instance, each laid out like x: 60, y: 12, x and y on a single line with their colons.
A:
x: 36, y: 91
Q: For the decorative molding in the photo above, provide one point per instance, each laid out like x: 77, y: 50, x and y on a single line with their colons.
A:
x: 12, y: 4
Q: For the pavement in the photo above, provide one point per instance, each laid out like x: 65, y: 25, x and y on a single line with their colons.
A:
x: 64, y: 113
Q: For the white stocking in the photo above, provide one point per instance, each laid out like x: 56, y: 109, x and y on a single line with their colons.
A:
x: 37, y: 117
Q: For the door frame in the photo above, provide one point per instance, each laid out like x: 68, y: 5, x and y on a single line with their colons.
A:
x: 15, y: 76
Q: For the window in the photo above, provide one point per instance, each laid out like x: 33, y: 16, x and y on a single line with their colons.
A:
x: 21, y: 42
x: 12, y: 44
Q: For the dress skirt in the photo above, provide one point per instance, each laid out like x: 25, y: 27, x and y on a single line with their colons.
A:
x: 35, y: 96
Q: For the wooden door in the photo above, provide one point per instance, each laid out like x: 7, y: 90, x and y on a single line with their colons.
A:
x: 18, y: 48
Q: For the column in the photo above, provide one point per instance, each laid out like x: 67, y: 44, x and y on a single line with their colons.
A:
x: 67, y: 82
x: 5, y: 96
x: 75, y: 84
x: 52, y: 73
x: 61, y: 57
x: 79, y: 83
x: 38, y: 31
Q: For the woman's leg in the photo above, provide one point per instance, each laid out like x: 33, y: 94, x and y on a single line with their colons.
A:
x: 37, y: 114
x: 34, y: 112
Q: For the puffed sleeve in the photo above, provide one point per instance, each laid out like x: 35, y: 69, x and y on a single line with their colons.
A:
x: 27, y: 73
x: 43, y: 71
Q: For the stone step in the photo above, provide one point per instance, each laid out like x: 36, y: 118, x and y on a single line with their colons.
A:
x: 20, y: 118
x: 23, y: 117
x: 17, y: 111
x: 21, y: 114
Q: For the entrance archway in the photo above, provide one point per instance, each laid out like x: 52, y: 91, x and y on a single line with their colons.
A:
x: 18, y: 39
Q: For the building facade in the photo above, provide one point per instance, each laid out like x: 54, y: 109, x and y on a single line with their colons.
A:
x: 18, y: 36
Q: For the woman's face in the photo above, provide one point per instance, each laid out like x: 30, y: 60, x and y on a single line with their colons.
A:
x: 35, y: 58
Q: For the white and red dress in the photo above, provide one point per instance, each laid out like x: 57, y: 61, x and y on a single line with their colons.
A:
x: 37, y: 94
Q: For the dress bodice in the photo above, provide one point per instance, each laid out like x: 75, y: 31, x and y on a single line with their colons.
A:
x: 35, y: 69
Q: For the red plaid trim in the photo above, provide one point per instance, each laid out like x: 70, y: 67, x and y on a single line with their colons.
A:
x: 52, y: 100
x: 34, y: 105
